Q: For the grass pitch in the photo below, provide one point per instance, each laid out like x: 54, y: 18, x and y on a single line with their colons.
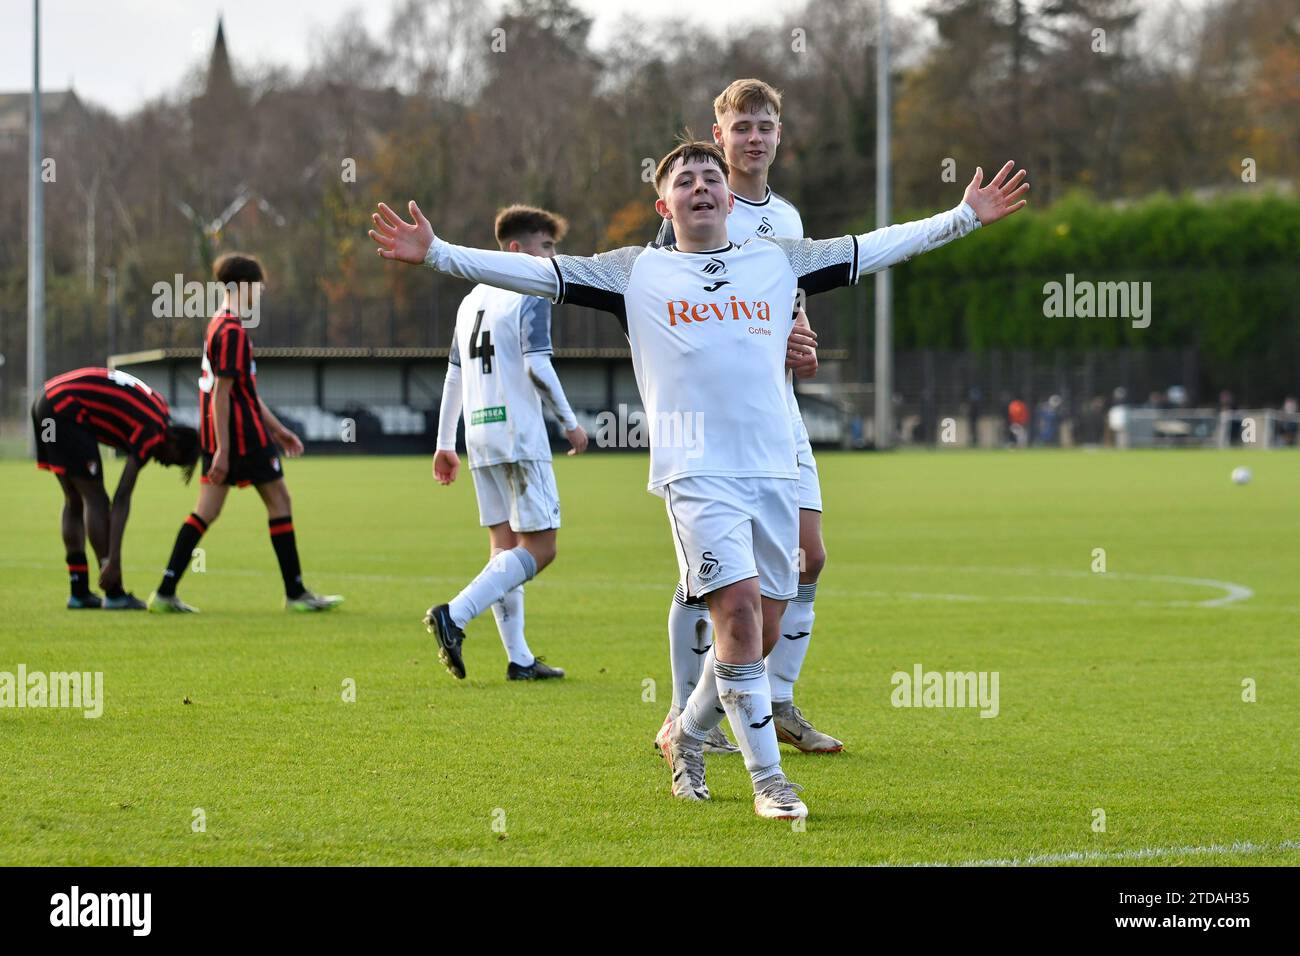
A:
x: 1119, y: 692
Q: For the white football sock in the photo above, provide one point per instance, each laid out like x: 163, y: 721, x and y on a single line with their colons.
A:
x: 786, y: 659
x: 747, y: 700
x: 509, y: 612
x: 506, y: 571
x: 690, y: 635
x: 703, y: 710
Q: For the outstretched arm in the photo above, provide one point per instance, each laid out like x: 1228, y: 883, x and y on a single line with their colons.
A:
x: 981, y: 205
x: 822, y: 264
x: 414, y: 242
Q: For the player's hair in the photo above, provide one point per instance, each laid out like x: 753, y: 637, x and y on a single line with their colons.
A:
x: 690, y: 151
x: 747, y: 96
x: 517, y: 221
x: 185, y: 441
x: 237, y: 267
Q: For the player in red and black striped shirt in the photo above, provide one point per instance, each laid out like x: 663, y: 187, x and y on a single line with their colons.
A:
x: 239, y: 435
x: 78, y: 411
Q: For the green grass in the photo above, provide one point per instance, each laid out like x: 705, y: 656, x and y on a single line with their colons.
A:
x: 1117, y: 691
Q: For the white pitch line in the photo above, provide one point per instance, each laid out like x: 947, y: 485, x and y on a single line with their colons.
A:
x: 1233, y: 593
x: 1238, y: 848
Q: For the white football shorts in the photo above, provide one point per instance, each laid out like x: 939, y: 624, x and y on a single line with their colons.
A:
x: 521, y: 492
x: 810, y: 486
x: 730, y: 529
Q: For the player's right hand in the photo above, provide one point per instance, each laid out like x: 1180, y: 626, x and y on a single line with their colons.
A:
x: 220, y: 467
x: 578, y: 439
x: 446, y: 466
x: 401, y: 240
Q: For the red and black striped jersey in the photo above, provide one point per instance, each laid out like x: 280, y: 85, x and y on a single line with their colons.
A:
x: 118, y: 408
x: 228, y: 353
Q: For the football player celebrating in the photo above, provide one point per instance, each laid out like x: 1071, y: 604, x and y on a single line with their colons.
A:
x: 499, y: 370
x: 239, y: 434
x: 708, y: 322
x: 77, y: 411
x: 748, y: 128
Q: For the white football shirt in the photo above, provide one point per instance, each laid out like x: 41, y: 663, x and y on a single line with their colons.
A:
x: 495, y: 329
x: 708, y: 329
x: 774, y: 216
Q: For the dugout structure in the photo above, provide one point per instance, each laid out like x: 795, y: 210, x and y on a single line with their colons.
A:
x: 385, y: 400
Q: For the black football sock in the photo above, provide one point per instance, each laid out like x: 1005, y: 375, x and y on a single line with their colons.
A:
x: 186, y: 540
x: 286, y: 552
x: 78, y: 573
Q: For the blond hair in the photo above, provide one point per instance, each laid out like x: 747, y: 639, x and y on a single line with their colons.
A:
x: 747, y: 96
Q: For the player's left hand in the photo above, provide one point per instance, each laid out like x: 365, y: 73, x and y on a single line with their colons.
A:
x: 110, y: 576
x: 1001, y: 197
x: 290, y: 443
x: 801, y: 348
x: 578, y: 439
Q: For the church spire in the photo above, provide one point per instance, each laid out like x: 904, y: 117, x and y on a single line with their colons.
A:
x: 221, y: 79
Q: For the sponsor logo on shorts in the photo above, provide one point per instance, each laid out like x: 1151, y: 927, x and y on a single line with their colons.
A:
x: 709, y: 567
x: 92, y: 467
x: 482, y: 416
x: 275, y: 464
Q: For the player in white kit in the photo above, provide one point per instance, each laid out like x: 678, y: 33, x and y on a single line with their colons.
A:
x: 708, y: 323
x: 499, y: 372
x: 748, y: 128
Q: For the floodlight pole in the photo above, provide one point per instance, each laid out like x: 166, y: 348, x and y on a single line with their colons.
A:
x: 884, y: 386
x: 35, y: 238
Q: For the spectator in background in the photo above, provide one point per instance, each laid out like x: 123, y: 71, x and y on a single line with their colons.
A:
x: 1227, y: 409
x: 1047, y: 424
x: 1117, y: 418
x: 1018, y: 423
x: 1093, y: 422
x: 1289, y: 431
x: 975, y: 401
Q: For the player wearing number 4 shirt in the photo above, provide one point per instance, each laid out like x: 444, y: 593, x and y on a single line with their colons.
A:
x: 239, y: 434
x: 708, y: 322
x: 499, y: 372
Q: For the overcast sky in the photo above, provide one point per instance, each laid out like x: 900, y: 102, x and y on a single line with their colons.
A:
x: 118, y: 53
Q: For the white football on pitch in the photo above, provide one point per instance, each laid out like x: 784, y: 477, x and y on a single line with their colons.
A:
x: 1241, y: 475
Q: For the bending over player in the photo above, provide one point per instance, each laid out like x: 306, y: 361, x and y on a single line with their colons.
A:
x: 76, y: 412
x: 499, y: 370
x: 697, y: 343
